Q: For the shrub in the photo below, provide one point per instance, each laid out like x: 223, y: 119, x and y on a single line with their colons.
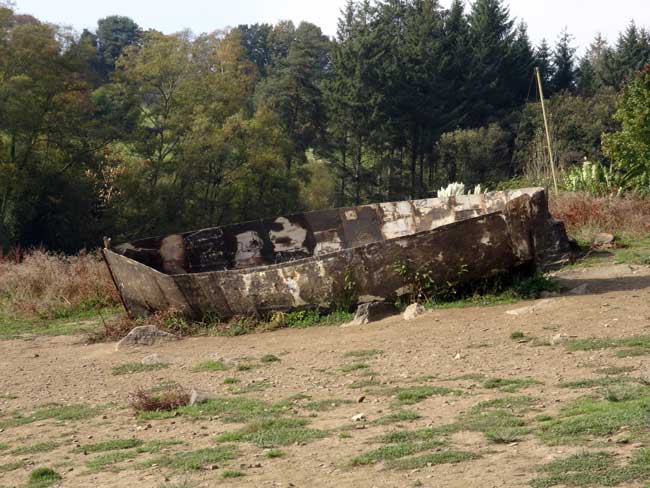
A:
x: 167, y: 399
x: 49, y: 285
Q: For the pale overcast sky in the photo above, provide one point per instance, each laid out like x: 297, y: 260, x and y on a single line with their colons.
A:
x: 545, y: 18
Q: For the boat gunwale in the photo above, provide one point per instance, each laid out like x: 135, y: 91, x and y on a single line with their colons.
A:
x: 322, y: 257
x: 524, y: 191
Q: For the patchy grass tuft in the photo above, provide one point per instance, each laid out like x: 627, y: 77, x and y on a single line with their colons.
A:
x: 232, y: 474
x: 434, y: 459
x: 416, y: 394
x: 274, y: 432
x: 35, y: 449
x: 595, y: 469
x: 43, y: 477
x: 195, y: 460
x: 270, y: 358
x: 209, y: 366
x: 400, y: 416
x: 395, y: 451
x: 348, y: 368
x: 101, y: 463
x: 114, y: 445
x: 510, y: 385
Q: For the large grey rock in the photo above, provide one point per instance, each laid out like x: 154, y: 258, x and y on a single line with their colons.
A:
x: 372, y: 312
x: 198, y: 397
x: 414, y: 311
x: 603, y: 241
x: 153, y: 360
x: 145, y: 335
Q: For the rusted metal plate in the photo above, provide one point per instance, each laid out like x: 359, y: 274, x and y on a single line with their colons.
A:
x: 305, y: 260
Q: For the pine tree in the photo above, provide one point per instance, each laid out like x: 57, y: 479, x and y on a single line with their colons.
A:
x: 564, y: 70
x: 544, y: 62
x: 492, y: 36
x: 588, y: 83
x: 523, y: 62
x: 632, y: 53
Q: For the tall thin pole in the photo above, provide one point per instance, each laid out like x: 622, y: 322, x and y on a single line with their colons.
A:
x: 548, y: 134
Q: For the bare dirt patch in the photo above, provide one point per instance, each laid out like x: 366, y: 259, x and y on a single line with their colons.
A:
x: 452, y: 398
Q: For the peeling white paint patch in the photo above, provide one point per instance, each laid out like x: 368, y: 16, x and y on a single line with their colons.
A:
x: 403, y: 244
x: 486, y: 240
x: 249, y: 247
x: 334, y: 244
x: 291, y: 238
x: 399, y: 220
x: 440, y: 257
x: 293, y: 286
x: 351, y: 215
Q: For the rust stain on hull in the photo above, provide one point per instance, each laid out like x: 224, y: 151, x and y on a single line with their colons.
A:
x: 305, y: 260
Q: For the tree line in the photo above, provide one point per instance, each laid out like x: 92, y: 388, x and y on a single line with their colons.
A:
x: 128, y: 132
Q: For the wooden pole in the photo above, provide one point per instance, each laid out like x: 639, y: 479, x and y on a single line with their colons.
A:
x: 548, y: 134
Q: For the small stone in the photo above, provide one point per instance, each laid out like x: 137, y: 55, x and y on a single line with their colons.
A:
x: 198, y: 397
x: 361, y: 399
x: 414, y: 311
x: 372, y: 312
x: 559, y: 339
x: 359, y: 417
x: 580, y: 290
x: 153, y: 360
x: 145, y: 335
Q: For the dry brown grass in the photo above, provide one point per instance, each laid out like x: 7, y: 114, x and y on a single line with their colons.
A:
x: 168, y: 398
x: 49, y: 285
x: 585, y: 215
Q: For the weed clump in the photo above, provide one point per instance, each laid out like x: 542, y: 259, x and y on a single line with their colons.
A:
x: 165, y: 400
x: 43, y: 477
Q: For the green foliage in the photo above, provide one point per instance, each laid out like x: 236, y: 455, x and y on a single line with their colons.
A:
x: 35, y: 449
x: 210, y: 366
x: 592, y: 178
x: 274, y: 432
x: 510, y: 385
x: 416, y: 394
x: 195, y: 460
x: 594, y: 468
x: 114, y: 445
x: 629, y: 147
x: 105, y: 461
x: 43, y: 477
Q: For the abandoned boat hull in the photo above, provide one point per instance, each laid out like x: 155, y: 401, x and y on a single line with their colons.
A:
x: 459, y: 241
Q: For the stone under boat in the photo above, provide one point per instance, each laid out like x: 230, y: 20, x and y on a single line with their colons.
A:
x: 318, y: 260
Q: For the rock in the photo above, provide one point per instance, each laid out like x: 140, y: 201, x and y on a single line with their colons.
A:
x: 414, y: 311
x: 358, y: 418
x: 198, y: 397
x: 372, y: 312
x: 361, y: 399
x: 559, y: 339
x: 215, y: 356
x: 154, y: 359
x: 536, y: 307
x: 603, y: 241
x: 145, y: 335
x: 580, y: 290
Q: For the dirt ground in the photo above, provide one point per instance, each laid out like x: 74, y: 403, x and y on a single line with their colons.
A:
x: 434, y: 350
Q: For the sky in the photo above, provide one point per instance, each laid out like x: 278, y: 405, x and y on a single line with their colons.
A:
x: 545, y: 18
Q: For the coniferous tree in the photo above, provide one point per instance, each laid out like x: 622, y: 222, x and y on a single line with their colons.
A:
x: 545, y: 64
x: 492, y: 36
x: 632, y: 53
x: 564, y: 69
x: 588, y: 83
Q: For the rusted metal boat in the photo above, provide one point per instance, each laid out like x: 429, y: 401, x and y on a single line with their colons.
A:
x: 314, y: 260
